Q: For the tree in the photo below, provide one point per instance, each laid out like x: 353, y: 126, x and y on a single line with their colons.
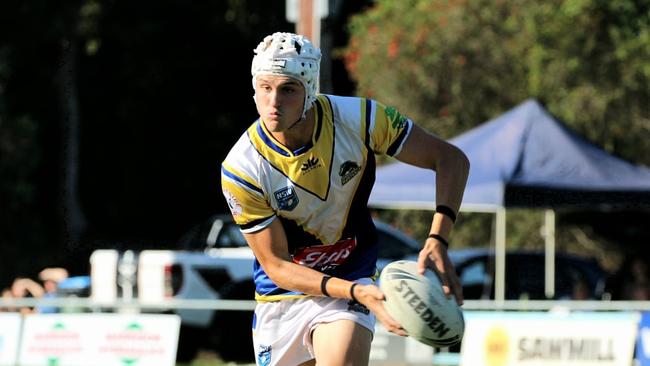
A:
x: 116, y: 114
x: 452, y: 64
x: 30, y: 35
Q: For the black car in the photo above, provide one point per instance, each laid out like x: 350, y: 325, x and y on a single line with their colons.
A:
x: 525, y: 275
x: 220, y: 231
x: 222, y: 249
x: 475, y: 266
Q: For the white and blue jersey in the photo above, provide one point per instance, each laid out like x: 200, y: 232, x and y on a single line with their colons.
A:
x: 320, y: 191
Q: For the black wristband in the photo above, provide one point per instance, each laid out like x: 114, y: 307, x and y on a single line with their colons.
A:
x: 352, y: 292
x: 440, y: 239
x: 447, y: 211
x: 323, y: 285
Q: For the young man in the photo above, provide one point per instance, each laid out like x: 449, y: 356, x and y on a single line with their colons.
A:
x: 297, y: 182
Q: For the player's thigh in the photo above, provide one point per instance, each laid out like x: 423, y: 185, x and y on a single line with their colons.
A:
x: 342, y: 342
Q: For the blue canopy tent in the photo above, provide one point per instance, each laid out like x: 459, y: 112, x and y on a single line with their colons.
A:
x: 523, y: 158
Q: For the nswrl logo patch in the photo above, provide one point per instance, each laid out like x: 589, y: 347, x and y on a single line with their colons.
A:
x: 286, y: 198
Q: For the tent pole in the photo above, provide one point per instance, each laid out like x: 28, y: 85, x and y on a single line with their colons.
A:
x: 500, y: 256
x: 549, y: 257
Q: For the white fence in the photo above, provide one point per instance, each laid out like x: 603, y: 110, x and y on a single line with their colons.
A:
x: 222, y: 304
x: 386, y: 345
x: 85, y: 339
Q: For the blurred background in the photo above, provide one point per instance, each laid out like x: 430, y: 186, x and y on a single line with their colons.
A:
x: 115, y: 115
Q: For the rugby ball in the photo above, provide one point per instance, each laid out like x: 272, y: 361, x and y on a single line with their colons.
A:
x: 418, y: 303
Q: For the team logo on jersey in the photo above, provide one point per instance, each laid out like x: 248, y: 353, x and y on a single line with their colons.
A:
x: 264, y: 355
x: 348, y: 170
x: 398, y: 120
x: 233, y: 204
x: 286, y: 198
x: 310, y: 164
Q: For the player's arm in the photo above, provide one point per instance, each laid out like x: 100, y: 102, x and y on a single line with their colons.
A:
x: 425, y: 150
x: 272, y: 251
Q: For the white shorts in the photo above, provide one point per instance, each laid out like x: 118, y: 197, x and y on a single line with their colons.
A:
x: 282, y: 329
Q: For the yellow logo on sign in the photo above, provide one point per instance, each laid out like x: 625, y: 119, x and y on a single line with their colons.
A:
x: 497, y: 347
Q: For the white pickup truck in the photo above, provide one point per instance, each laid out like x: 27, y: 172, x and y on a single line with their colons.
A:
x: 214, y: 263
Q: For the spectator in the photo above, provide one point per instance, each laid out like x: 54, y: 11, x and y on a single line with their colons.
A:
x: 638, y: 291
x: 51, y: 278
x: 6, y: 295
x: 636, y: 288
x: 581, y: 290
x: 23, y: 287
x: 632, y: 280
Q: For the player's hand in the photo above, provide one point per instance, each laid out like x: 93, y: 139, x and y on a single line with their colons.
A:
x: 434, y: 256
x: 371, y: 297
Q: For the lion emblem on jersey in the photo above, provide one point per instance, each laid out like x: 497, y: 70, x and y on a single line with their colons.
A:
x: 348, y: 170
x: 286, y: 198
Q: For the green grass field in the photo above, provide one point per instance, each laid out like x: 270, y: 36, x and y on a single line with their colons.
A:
x: 206, y: 358
x: 211, y: 363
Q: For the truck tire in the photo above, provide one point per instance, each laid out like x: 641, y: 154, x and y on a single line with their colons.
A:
x: 189, y: 339
x: 234, y: 328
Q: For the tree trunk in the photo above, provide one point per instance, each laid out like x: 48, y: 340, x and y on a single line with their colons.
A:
x: 73, y: 220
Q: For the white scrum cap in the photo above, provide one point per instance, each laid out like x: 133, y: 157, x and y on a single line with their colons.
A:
x: 290, y: 55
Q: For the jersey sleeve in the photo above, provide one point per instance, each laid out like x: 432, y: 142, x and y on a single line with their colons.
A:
x: 388, y: 129
x: 246, y: 200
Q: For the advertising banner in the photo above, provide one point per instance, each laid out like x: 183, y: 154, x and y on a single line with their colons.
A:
x: 99, y: 339
x: 643, y: 341
x: 388, y: 349
x: 9, y: 335
x: 548, y: 339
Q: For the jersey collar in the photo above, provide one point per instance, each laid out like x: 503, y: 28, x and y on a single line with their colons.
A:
x: 276, y: 146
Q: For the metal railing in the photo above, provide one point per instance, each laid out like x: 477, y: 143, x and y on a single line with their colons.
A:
x: 225, y: 304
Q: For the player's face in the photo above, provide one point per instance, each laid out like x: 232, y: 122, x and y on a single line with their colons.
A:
x: 279, y: 101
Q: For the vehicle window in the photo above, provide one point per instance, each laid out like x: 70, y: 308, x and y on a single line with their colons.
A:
x: 525, y: 277
x: 231, y: 237
x: 564, y: 281
x: 391, y: 247
x: 476, y: 278
x: 572, y: 280
x: 194, y: 239
x: 474, y: 274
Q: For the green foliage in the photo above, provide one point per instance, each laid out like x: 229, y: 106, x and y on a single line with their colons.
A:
x: 452, y: 64
x: 437, y: 60
x: 21, y: 223
x: 471, y: 229
x: 20, y: 157
x: 162, y: 91
x: 30, y: 35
